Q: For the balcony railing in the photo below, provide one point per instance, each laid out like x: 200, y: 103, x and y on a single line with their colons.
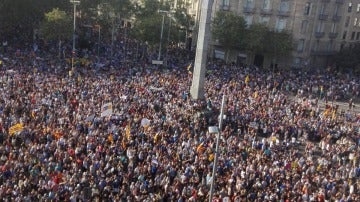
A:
x: 336, y: 18
x: 323, y: 16
x: 284, y: 13
x: 265, y: 11
x: 333, y: 35
x: 249, y: 9
x: 323, y: 52
x: 340, y: 1
x: 319, y: 34
x: 225, y: 7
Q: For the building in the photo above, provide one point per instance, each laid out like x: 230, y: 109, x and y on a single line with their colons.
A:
x: 320, y: 28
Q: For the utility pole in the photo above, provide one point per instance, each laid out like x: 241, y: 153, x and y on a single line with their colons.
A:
x: 217, y: 150
x: 75, y: 3
x: 197, y: 87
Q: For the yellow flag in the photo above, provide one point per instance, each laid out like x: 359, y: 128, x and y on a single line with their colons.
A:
x: 16, y: 128
x: 247, y: 79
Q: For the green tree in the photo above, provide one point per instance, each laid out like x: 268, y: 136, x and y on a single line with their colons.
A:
x: 19, y: 18
x: 230, y: 30
x: 348, y: 59
x: 57, y: 25
x: 147, y: 26
x: 257, y: 38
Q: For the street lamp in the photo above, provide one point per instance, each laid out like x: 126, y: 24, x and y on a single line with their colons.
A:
x: 162, y: 30
x: 217, y: 131
x: 98, y: 46
x: 75, y: 3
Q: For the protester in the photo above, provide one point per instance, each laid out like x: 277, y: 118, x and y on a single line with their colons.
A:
x: 131, y: 132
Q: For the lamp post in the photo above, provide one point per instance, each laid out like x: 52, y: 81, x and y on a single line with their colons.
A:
x: 162, y: 30
x: 213, y: 129
x: 75, y: 3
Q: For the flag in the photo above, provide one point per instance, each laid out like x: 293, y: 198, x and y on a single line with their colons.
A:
x: 106, y: 109
x: 190, y: 68
x: 57, y: 135
x: 201, y: 148
x: 110, y: 138
x: 123, y: 144
x: 127, y: 131
x: 16, y: 128
x: 247, y: 79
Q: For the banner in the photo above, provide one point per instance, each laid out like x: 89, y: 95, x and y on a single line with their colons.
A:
x: 106, y: 109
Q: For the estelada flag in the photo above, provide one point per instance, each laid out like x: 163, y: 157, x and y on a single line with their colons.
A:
x: 16, y: 128
x: 201, y: 148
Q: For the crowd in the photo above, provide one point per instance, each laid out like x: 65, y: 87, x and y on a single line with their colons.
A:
x: 56, y: 144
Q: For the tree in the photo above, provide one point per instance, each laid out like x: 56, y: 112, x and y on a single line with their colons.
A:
x: 19, y: 18
x: 57, y: 25
x: 257, y: 38
x: 230, y: 30
x: 147, y: 26
x: 348, y: 58
x: 279, y: 44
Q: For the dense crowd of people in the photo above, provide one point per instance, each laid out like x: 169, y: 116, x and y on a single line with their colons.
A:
x: 277, y: 142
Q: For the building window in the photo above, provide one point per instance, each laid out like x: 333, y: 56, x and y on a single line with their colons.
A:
x: 358, y: 8
x: 284, y: 5
x: 280, y: 25
x: 344, y: 35
x: 300, y: 45
x: 350, y: 7
x: 347, y: 21
x: 353, y: 35
x: 336, y: 10
x: 358, y: 36
x: 333, y: 28
x: 322, y: 9
x: 320, y: 27
x: 307, y: 8
x: 330, y: 45
x: 248, y: 19
x: 266, y: 5
x: 355, y: 21
x: 304, y: 24
x: 226, y: 3
x: 316, y: 45
x: 342, y: 46
x: 264, y: 20
x: 249, y: 4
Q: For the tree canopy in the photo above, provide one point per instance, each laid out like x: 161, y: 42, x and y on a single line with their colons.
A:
x: 56, y: 25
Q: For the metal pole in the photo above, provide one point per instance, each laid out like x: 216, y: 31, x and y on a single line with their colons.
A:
x: 112, y: 38
x: 217, y: 150
x: 98, y: 48
x: 161, y: 36
x: 168, y: 40
x: 74, y: 28
x: 125, y: 43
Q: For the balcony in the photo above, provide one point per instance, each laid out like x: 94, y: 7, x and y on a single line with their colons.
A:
x: 322, y: 52
x: 340, y: 1
x: 225, y: 7
x: 336, y: 18
x: 249, y: 9
x: 323, y: 16
x: 333, y: 35
x: 319, y: 34
x: 285, y: 13
x: 265, y: 11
